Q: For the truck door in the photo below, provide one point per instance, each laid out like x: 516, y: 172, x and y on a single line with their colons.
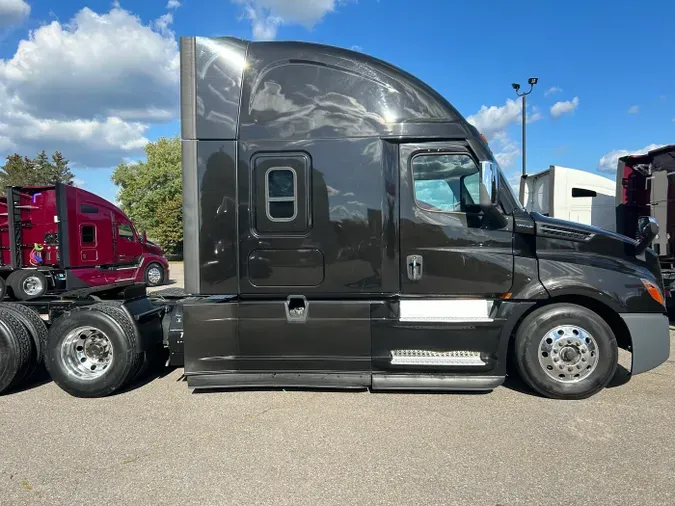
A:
x: 447, y: 248
x: 127, y: 246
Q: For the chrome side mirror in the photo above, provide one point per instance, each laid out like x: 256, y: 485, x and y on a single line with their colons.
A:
x: 489, y: 176
x: 648, y: 229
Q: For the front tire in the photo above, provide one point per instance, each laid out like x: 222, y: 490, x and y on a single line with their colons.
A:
x: 565, y: 351
x: 91, y: 351
x: 154, y: 274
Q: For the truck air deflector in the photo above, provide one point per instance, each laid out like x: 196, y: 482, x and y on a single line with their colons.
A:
x: 211, y: 76
x: 445, y: 310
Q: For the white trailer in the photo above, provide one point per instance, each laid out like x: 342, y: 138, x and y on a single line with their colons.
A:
x: 571, y: 194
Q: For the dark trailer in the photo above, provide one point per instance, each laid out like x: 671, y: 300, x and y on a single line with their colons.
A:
x: 344, y: 226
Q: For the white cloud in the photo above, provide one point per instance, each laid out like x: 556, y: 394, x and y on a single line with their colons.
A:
x: 94, y: 64
x: 535, y: 115
x: 78, y: 182
x: 173, y: 4
x: 357, y: 48
x: 507, y: 150
x: 495, y: 119
x: 89, y: 87
x: 634, y: 109
x: 609, y: 161
x: 267, y: 15
x: 567, y: 106
x: 163, y: 23
x: 507, y: 156
x: 514, y: 181
x: 552, y: 90
x: 13, y: 12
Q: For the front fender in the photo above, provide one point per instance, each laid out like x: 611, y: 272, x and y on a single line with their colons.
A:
x: 620, y: 290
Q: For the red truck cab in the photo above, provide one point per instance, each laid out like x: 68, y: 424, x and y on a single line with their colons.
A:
x: 57, y: 238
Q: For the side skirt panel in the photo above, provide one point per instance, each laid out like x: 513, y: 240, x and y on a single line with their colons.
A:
x: 289, y: 380
x: 435, y: 382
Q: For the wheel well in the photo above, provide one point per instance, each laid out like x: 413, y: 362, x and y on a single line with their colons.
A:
x: 618, y: 326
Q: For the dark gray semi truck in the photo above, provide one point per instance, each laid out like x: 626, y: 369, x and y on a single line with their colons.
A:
x: 346, y: 227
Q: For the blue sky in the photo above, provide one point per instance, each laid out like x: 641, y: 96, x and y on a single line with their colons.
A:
x: 68, y: 81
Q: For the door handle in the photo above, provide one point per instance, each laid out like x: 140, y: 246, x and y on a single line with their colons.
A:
x: 414, y: 267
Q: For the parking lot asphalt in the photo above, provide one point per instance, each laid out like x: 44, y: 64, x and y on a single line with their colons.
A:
x: 159, y: 443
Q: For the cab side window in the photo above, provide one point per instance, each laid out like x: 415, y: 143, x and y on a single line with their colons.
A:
x: 446, y: 182
x: 124, y: 231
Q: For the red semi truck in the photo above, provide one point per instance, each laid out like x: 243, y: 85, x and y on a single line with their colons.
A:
x: 59, y: 237
x: 644, y: 188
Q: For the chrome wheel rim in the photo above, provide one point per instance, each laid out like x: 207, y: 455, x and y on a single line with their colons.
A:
x: 154, y: 275
x: 568, y: 354
x: 32, y: 285
x: 86, y: 353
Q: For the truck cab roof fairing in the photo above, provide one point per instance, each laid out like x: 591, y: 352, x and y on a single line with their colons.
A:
x: 231, y: 88
x: 296, y: 90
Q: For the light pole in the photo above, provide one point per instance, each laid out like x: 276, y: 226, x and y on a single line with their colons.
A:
x: 531, y: 81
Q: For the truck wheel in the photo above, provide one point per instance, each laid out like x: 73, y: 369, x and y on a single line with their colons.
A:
x: 91, y: 351
x: 28, y: 284
x: 37, y: 330
x: 565, y: 351
x: 8, y: 281
x: 154, y: 274
x: 15, y: 350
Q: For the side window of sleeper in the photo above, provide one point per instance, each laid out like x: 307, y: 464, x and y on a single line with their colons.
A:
x: 88, y: 234
x: 281, y: 184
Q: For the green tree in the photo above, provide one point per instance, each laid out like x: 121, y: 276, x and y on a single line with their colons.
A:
x: 24, y: 171
x: 151, y: 192
x: 59, y: 169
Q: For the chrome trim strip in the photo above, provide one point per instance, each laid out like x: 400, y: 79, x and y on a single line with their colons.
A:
x: 445, y: 310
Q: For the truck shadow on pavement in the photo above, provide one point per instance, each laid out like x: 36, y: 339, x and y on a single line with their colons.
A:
x: 37, y: 379
x: 514, y: 382
x: 152, y: 370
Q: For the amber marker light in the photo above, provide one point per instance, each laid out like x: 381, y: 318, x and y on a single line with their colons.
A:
x: 654, y: 291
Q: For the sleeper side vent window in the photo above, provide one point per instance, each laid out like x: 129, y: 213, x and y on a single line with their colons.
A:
x: 583, y: 192
x: 281, y: 192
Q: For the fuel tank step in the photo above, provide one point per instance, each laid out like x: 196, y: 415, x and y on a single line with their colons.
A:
x: 436, y: 358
